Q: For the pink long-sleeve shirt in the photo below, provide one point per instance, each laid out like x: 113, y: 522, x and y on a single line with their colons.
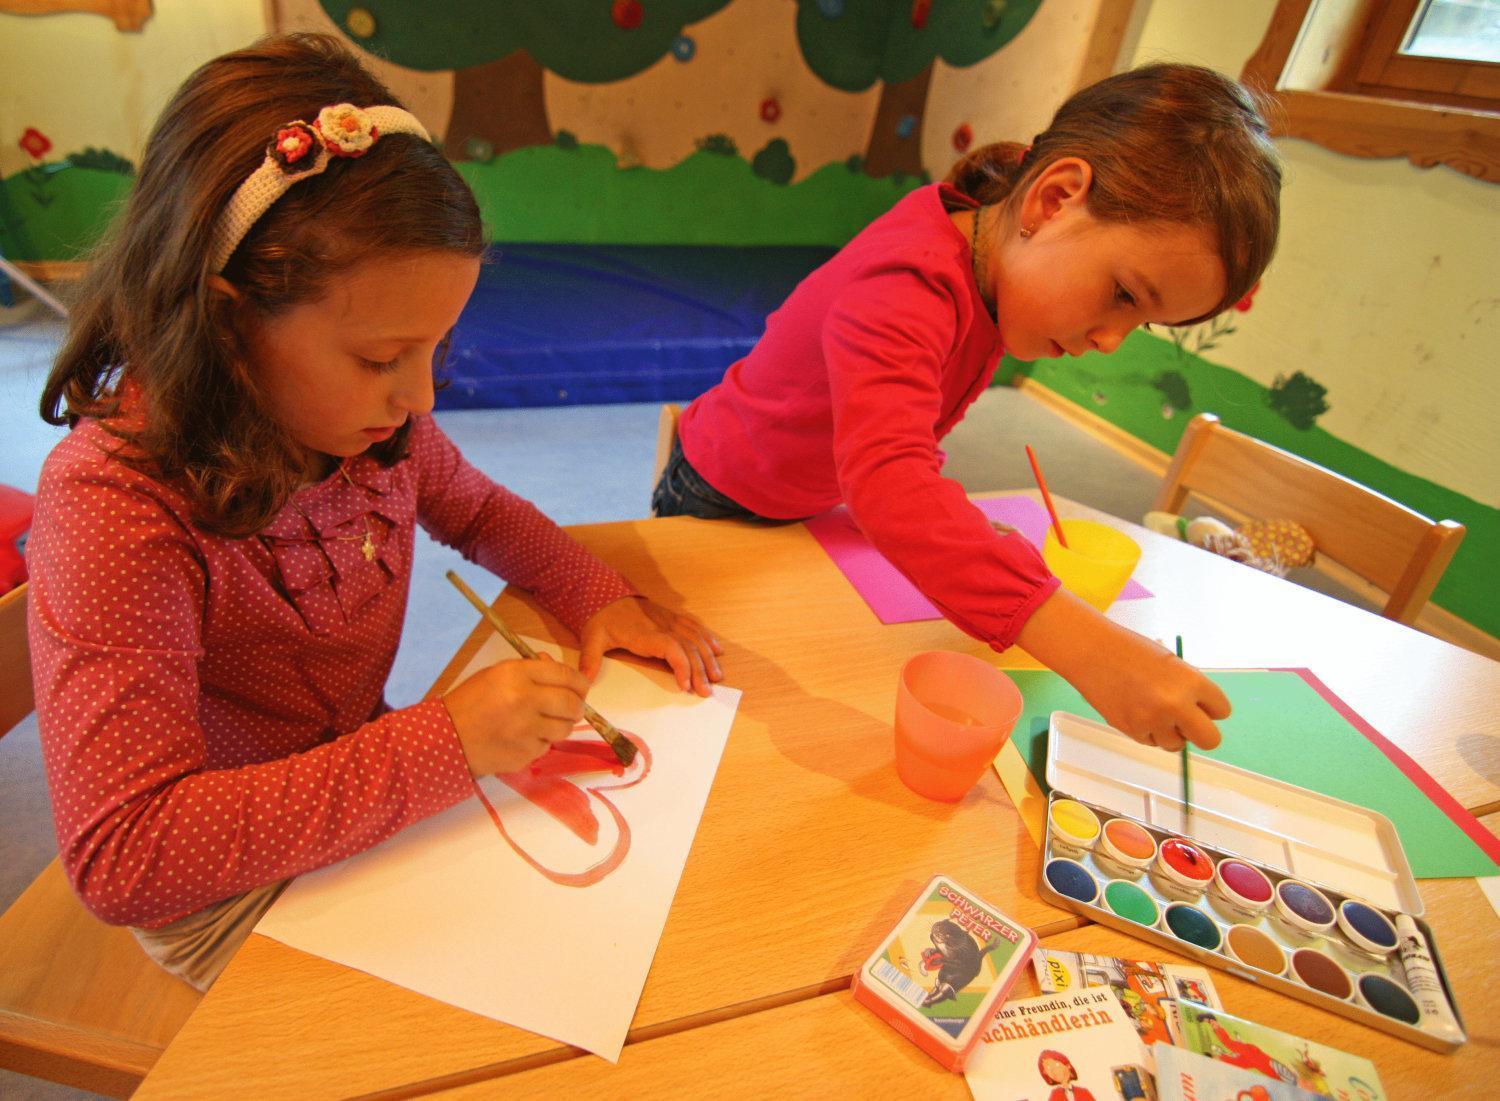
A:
x: 871, y: 361
x: 211, y: 709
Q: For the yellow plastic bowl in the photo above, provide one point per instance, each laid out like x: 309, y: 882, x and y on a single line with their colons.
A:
x: 1096, y: 563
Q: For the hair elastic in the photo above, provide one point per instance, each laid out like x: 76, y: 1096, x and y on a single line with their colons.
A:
x: 298, y: 150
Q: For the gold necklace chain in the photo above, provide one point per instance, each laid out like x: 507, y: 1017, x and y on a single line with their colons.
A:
x: 367, y: 548
x: 367, y: 540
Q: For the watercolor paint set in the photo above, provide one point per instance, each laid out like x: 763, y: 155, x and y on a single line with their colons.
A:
x: 937, y: 977
x: 1296, y: 891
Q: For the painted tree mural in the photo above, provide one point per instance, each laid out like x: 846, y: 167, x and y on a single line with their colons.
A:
x: 499, y: 50
x: 851, y: 44
x: 1298, y: 398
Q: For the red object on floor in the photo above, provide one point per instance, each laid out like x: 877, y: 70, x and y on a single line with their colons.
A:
x: 15, y: 522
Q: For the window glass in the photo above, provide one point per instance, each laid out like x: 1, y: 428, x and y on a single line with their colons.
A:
x: 1462, y: 30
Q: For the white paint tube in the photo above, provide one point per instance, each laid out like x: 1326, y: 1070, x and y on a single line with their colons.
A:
x: 1423, y: 980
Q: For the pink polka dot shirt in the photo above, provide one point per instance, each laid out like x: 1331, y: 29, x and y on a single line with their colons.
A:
x: 211, y: 709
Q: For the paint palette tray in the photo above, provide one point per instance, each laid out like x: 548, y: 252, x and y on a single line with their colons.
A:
x: 1284, y: 887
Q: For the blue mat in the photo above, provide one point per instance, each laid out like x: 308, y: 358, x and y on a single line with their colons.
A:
x: 598, y: 324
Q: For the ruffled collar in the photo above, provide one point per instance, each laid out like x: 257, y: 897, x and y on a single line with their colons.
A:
x: 336, y: 545
x: 360, y: 486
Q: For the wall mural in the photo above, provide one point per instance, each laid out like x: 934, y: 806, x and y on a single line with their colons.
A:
x: 750, y: 125
x: 1154, y: 384
x: 537, y: 182
x: 56, y: 208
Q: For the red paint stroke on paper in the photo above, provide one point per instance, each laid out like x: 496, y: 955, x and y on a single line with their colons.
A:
x: 545, y: 782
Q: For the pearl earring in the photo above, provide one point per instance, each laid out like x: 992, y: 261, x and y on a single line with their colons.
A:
x: 1025, y: 232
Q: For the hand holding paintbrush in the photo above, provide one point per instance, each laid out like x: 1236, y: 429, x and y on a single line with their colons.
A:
x: 624, y: 748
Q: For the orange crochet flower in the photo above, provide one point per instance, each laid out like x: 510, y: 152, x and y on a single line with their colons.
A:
x: 346, y: 130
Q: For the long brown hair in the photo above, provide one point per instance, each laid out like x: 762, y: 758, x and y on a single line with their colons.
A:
x: 147, y: 317
x: 1171, y: 143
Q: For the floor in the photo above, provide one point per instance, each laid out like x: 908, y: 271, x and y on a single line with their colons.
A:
x: 579, y: 464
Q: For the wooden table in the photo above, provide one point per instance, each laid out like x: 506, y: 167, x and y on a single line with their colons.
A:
x: 810, y: 847
x: 831, y: 1046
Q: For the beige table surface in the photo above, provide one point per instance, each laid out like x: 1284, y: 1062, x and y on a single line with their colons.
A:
x: 810, y: 847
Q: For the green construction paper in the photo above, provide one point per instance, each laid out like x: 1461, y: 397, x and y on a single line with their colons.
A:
x: 1282, y: 728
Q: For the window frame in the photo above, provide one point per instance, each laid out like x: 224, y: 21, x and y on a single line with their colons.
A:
x: 1352, y: 93
x: 127, y: 15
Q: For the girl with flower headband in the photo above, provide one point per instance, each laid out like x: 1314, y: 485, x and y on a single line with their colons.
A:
x: 1153, y: 197
x: 222, y: 547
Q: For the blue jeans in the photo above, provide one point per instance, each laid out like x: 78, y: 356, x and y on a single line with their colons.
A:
x: 682, y: 491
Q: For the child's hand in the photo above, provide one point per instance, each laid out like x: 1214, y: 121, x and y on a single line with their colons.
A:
x: 645, y: 628
x: 1137, y: 686
x: 510, y: 714
x: 1145, y: 691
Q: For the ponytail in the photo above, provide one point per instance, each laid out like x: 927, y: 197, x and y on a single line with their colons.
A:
x: 989, y: 173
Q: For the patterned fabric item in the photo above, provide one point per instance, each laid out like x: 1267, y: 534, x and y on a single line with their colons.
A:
x: 1285, y: 541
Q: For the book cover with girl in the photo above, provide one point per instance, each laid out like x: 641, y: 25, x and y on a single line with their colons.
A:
x: 1061, y: 1047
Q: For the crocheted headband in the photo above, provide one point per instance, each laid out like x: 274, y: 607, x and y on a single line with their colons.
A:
x: 299, y: 150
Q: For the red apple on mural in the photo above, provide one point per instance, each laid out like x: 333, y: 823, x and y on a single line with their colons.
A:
x: 627, y: 14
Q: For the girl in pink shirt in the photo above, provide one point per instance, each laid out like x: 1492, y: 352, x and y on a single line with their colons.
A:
x: 1153, y: 197
x: 222, y: 547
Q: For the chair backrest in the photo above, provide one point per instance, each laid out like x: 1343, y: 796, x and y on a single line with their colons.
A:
x: 16, y: 700
x: 666, y: 436
x: 1396, y: 549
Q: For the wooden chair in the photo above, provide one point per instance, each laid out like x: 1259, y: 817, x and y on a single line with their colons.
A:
x: 666, y: 436
x: 15, y: 661
x: 1381, y: 541
x: 80, y: 1002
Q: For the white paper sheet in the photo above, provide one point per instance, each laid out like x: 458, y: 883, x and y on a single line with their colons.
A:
x: 451, y: 909
x: 1490, y: 885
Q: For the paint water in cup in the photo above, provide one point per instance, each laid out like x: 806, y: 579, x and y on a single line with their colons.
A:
x: 953, y: 713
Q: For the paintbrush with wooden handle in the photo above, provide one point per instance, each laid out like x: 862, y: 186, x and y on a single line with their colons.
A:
x: 624, y: 748
x: 1187, y: 772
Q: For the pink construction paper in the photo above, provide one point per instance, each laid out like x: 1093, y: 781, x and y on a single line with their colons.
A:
x: 891, y: 596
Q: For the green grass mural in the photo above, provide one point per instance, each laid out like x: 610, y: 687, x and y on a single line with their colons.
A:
x: 1133, y: 388
x: 57, y: 211
x: 712, y: 197
x: 566, y: 192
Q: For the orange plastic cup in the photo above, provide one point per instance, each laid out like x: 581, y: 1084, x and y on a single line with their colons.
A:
x: 953, y: 713
x: 1096, y: 563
